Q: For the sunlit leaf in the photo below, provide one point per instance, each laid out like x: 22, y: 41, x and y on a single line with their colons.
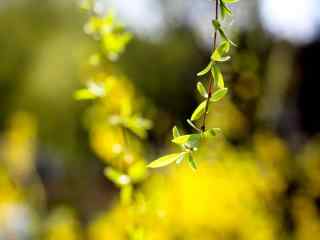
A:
x: 224, y: 9
x: 181, y: 157
x: 206, y: 70
x: 202, y: 90
x: 175, y: 132
x: 190, y: 141
x: 218, y: 95
x: 193, y: 125
x: 217, y: 25
x: 224, y: 36
x: 217, y: 76
x: 192, y: 162
x: 230, y: 1
x: 221, y: 51
x: 165, y: 160
x: 200, y: 110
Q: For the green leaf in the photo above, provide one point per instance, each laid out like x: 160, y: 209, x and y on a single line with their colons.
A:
x: 165, y: 160
x: 217, y: 25
x: 200, y: 110
x: 202, y: 90
x: 193, y: 125
x: 217, y: 76
x: 224, y: 9
x: 219, y: 53
x: 230, y: 1
x: 190, y: 141
x: 175, y: 132
x: 224, y: 36
x: 205, y: 71
x: 117, y: 177
x: 192, y: 162
x: 212, y: 132
x: 181, y: 158
x: 219, y: 94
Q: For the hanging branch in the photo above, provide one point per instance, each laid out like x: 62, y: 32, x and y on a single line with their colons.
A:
x: 215, y: 92
x: 203, y: 127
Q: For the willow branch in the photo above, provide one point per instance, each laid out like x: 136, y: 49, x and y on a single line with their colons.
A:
x: 211, y: 80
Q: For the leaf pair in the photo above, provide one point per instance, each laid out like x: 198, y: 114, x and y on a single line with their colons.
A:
x: 175, y: 157
x: 189, y: 144
x: 224, y: 9
x: 216, y: 96
x: 219, y: 55
x: 217, y: 25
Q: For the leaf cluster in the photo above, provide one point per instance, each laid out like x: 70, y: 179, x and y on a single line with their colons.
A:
x: 215, y: 92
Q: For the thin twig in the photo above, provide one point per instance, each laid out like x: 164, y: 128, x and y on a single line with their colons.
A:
x: 210, y: 87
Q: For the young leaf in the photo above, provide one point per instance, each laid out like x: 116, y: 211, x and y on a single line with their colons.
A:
x: 165, y: 160
x: 206, y: 70
x: 193, y: 125
x: 199, y: 111
x: 217, y: 76
x: 217, y: 25
x: 181, y: 158
x: 190, y: 140
x: 192, y: 162
x: 219, y: 94
x: 224, y: 9
x: 218, y: 54
x: 181, y: 139
x: 224, y: 36
x: 202, y: 90
x: 175, y: 132
x: 230, y: 1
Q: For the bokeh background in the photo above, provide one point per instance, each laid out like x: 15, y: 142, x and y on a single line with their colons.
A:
x: 258, y: 181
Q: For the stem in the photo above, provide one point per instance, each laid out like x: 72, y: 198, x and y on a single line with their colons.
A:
x: 210, y: 87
